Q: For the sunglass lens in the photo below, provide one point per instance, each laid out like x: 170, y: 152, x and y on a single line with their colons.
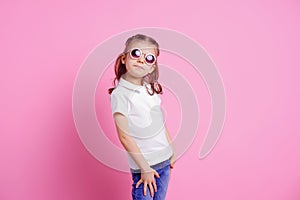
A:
x: 136, y: 53
x: 150, y: 59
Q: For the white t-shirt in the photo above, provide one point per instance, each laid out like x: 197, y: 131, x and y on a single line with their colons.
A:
x: 145, y: 120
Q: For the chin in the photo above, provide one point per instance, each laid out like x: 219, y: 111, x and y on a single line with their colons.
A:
x: 138, y: 75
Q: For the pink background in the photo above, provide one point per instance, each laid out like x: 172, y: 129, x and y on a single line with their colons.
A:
x: 255, y: 46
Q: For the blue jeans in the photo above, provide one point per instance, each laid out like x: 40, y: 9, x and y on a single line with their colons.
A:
x: 163, y: 169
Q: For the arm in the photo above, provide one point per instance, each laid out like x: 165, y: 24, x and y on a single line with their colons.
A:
x: 128, y: 143
x: 147, y: 173
x: 173, y: 158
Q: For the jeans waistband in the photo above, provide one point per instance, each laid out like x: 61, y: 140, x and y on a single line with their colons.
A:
x: 156, y: 166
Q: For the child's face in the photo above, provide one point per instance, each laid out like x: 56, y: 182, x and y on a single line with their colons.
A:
x: 138, y: 67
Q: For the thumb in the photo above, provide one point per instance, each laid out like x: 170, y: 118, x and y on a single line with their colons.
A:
x: 172, y: 165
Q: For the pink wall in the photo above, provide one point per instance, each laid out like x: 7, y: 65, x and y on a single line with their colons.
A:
x: 255, y: 46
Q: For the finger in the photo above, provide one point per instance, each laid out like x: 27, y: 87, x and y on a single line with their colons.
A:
x: 156, y: 174
x: 145, y: 188
x: 151, y: 190
x: 138, y: 183
x: 155, y: 186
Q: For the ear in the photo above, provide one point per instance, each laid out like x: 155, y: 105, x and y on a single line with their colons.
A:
x: 123, y: 59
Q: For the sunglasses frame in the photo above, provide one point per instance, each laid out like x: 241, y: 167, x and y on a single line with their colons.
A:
x: 145, y: 55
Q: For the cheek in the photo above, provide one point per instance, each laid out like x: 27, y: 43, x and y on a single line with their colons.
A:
x: 148, y: 70
x: 151, y: 69
x: 128, y: 66
x: 129, y: 61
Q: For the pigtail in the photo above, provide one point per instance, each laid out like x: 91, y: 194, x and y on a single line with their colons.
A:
x: 155, y: 88
x: 120, y: 69
x: 152, y: 79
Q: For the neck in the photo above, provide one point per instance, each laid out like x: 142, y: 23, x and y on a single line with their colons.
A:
x: 134, y: 80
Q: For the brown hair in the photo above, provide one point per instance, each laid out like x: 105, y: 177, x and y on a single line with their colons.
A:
x: 151, y: 78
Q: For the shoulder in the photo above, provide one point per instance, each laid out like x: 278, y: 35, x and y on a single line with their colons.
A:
x: 117, y: 93
x: 119, y: 102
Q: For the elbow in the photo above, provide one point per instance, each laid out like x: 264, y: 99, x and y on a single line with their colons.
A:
x: 125, y: 140
x: 122, y: 140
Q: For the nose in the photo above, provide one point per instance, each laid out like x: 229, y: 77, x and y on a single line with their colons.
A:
x: 141, y: 59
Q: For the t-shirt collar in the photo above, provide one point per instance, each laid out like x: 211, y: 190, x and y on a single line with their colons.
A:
x: 129, y: 85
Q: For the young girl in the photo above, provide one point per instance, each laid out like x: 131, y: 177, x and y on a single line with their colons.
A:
x: 138, y: 117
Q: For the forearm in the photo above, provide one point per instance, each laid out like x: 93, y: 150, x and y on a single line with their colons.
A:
x: 134, y: 151
x: 128, y: 142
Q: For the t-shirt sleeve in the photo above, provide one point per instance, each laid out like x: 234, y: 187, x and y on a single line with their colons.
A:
x: 119, y: 103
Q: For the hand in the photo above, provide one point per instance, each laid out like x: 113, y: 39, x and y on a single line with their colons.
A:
x: 147, y: 177
x: 172, y: 161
